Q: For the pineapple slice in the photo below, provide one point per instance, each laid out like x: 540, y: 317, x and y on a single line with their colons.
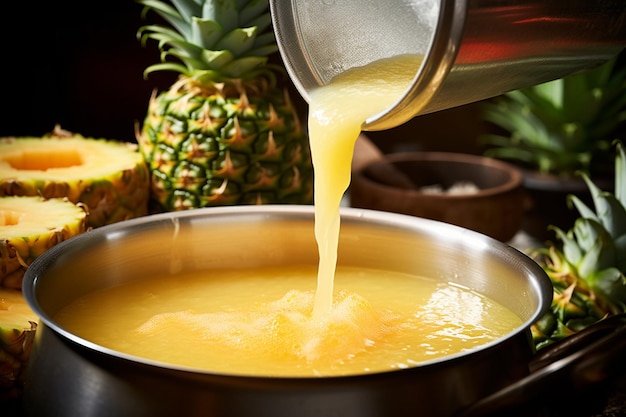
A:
x: 109, y: 178
x: 18, y: 324
x: 28, y: 227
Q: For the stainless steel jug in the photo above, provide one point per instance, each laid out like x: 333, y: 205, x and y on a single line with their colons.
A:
x: 473, y: 49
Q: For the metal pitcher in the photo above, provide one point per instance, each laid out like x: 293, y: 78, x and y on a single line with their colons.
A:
x: 473, y: 49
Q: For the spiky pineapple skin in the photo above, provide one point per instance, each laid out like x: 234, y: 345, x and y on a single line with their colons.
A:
x: 236, y: 142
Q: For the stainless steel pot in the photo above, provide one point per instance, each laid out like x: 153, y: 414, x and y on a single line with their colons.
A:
x: 70, y: 376
x: 474, y: 49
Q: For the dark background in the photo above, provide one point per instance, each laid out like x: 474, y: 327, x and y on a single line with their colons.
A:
x: 79, y: 64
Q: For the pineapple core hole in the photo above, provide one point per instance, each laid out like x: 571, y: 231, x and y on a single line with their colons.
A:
x: 33, y: 160
x: 9, y: 218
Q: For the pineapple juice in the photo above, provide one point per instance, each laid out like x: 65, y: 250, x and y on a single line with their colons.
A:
x: 337, y: 112
x: 258, y: 321
x: 301, y: 321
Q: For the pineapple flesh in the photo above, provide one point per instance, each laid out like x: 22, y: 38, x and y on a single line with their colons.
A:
x: 29, y: 226
x: 110, y: 179
x: 587, y: 266
x: 18, y: 324
x: 225, y: 133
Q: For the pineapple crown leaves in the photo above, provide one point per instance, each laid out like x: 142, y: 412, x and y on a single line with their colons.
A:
x: 595, y: 248
x: 588, y: 253
x: 610, y: 208
x: 211, y: 39
x: 562, y: 125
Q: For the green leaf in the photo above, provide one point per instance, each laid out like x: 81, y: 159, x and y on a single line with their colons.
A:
x: 181, y: 49
x: 215, y: 60
x: 498, y: 115
x: 223, y: 11
x: 262, y: 23
x: 169, y: 14
x: 207, y: 76
x: 263, y: 50
x: 581, y: 101
x: 600, y: 255
x: 188, y: 8
x: 238, y: 41
x: 611, y: 284
x: 571, y: 250
x: 242, y: 66
x: 609, y: 210
x: 620, y: 174
x: 582, y: 208
x: 512, y: 154
x: 191, y: 62
x: 205, y: 33
x: 620, y: 249
x: 251, y: 11
x: 551, y: 92
x: 165, y: 66
x: 158, y: 32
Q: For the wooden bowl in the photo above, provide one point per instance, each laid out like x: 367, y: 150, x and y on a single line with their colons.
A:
x: 474, y: 192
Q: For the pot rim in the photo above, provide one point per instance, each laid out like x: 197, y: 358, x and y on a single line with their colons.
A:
x: 34, y: 275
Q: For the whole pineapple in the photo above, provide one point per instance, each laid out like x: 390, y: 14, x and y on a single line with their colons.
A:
x: 224, y: 133
x: 587, y: 268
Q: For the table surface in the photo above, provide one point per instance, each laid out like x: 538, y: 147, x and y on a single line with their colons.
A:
x: 608, y: 403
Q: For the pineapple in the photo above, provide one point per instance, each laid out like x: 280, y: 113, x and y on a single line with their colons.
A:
x: 110, y: 179
x: 562, y: 126
x: 587, y: 268
x: 28, y: 227
x: 18, y: 324
x: 224, y: 133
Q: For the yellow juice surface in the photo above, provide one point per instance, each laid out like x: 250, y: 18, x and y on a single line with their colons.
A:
x: 259, y: 321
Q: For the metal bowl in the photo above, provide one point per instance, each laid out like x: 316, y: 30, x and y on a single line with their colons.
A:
x: 70, y: 376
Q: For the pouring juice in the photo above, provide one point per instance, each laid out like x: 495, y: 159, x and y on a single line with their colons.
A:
x: 278, y: 322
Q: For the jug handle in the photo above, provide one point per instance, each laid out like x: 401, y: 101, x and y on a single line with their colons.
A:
x: 575, y: 363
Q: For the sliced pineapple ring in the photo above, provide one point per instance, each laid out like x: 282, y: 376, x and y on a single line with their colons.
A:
x: 18, y: 324
x: 110, y: 178
x: 28, y: 227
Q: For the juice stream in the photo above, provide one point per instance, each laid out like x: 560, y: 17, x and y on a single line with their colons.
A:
x: 337, y: 112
